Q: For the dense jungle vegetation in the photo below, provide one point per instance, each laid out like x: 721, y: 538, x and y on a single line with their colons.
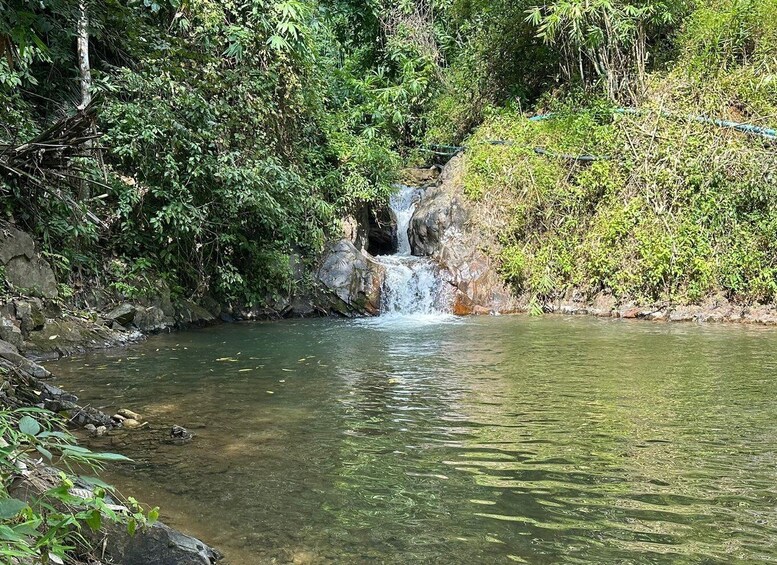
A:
x: 205, y: 142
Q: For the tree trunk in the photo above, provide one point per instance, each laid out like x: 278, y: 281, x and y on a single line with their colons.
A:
x: 85, y: 73
x: 83, y: 55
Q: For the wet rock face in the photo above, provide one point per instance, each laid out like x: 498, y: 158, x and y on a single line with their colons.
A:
x: 159, y: 545
x: 382, y: 232
x: 24, y: 269
x: 437, y: 216
x: 350, y: 279
x: 444, y: 227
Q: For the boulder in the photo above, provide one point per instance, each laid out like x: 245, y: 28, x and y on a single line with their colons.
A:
x: 11, y: 333
x: 123, y: 314
x: 351, y: 280
x: 11, y: 357
x: 87, y: 415
x: 30, y: 314
x: 68, y: 335
x: 419, y: 177
x: 24, y: 268
x: 129, y: 414
x: 301, y: 306
x: 445, y: 226
x: 152, y: 319
x: 187, y: 313
x: 179, y: 434
x: 157, y: 545
x: 131, y: 424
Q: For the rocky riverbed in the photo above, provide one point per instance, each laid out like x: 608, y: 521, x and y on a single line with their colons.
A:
x: 25, y: 383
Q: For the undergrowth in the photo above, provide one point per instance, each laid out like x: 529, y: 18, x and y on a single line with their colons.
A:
x: 675, y: 209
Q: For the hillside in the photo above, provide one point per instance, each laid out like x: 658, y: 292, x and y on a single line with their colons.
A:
x: 650, y: 200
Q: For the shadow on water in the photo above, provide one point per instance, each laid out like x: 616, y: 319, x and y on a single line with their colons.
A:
x: 444, y: 440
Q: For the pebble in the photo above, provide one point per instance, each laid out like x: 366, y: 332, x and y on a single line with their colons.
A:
x: 129, y: 414
x: 131, y: 423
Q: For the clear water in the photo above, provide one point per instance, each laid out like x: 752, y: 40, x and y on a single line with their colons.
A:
x: 487, y: 440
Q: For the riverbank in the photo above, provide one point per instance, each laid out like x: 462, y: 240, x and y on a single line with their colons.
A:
x: 35, y: 481
x: 471, y: 236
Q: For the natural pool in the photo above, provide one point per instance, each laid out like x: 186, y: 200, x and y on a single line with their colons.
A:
x: 440, y: 440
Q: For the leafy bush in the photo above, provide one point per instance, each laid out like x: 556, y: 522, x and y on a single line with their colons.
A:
x: 48, y: 527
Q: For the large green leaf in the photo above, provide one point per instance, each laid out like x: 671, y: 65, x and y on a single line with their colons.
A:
x: 29, y: 426
x: 10, y: 507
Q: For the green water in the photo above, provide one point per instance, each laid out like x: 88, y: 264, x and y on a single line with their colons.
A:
x: 488, y: 440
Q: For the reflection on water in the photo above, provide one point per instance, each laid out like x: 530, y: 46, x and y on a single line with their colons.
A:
x: 488, y: 440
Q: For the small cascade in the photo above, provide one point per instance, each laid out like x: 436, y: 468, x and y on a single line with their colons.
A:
x: 412, y: 285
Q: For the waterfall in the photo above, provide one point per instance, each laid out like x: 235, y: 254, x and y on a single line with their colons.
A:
x: 403, y: 205
x: 412, y: 285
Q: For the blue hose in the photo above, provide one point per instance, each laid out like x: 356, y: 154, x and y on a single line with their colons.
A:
x: 452, y: 150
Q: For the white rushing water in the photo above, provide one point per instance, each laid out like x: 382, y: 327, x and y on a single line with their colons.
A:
x: 413, y: 286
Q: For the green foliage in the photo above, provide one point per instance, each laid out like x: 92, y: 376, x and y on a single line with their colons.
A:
x: 608, y: 39
x: 228, y: 146
x: 48, y: 528
x: 728, y: 59
x: 237, y: 133
x: 494, y: 58
x: 675, y: 219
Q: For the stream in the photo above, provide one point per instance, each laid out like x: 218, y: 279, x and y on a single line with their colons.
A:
x: 433, y: 439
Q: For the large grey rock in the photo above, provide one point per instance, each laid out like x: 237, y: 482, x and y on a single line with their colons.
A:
x: 445, y: 226
x: 158, y: 545
x: 351, y: 280
x: 436, y: 217
x: 12, y: 358
x: 152, y: 319
x: 10, y: 332
x: 30, y: 314
x: 123, y: 314
x: 24, y: 269
x: 15, y: 243
x: 187, y: 313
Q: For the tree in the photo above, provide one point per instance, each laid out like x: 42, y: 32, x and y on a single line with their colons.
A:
x: 82, y: 34
x: 608, y: 39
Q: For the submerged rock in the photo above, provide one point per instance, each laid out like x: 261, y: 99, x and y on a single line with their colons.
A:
x: 88, y: 415
x: 128, y: 414
x: 180, y: 434
x: 131, y: 424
